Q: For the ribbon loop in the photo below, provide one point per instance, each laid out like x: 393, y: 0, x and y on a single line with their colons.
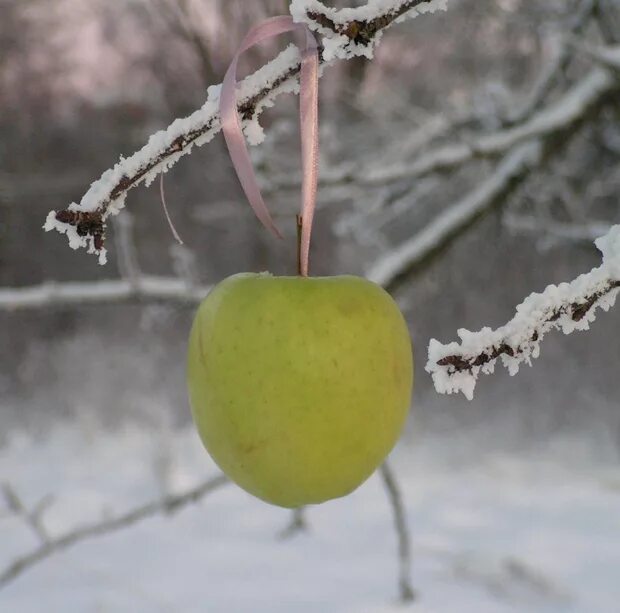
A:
x: 233, y: 134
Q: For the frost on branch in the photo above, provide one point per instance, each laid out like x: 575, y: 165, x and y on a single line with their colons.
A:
x: 455, y: 367
x: 106, y: 196
x: 345, y: 33
x: 356, y: 31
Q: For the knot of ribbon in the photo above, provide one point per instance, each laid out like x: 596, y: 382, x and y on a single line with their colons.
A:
x: 309, y: 122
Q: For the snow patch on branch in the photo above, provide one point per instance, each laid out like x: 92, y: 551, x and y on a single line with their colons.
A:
x: 160, y: 153
x: 455, y: 367
x: 75, y: 240
x: 207, y: 115
x: 337, y: 44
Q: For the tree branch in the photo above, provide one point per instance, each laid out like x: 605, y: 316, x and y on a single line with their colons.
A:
x: 297, y: 524
x: 85, y: 223
x: 413, y: 253
x: 33, y: 517
x: 576, y: 23
x: 550, y: 127
x: 168, y: 504
x: 546, y: 132
x: 557, y: 230
x: 140, y: 289
x: 568, y: 307
x: 589, y: 92
x: 406, y: 592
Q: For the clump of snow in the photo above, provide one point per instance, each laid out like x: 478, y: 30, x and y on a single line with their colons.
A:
x: 339, y: 46
x: 535, y: 316
x: 254, y: 132
x: 75, y: 240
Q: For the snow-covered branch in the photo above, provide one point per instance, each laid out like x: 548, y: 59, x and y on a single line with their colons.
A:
x: 54, y: 544
x: 541, y: 134
x: 568, y: 307
x: 413, y: 252
x: 395, y: 498
x: 562, y: 115
x: 143, y: 288
x: 556, y: 68
x: 556, y: 230
x: 345, y: 33
x: 607, y: 56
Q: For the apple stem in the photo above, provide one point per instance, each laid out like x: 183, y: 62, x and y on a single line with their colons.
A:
x: 300, y: 268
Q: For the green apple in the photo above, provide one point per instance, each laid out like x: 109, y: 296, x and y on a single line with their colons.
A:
x: 299, y: 386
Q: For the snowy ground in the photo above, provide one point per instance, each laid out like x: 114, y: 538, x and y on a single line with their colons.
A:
x: 496, y: 535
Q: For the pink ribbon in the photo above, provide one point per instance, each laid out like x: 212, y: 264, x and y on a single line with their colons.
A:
x: 309, y: 125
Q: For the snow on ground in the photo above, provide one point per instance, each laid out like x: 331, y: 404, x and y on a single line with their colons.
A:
x: 497, y: 535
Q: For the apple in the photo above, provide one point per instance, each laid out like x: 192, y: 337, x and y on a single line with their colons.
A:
x: 299, y: 386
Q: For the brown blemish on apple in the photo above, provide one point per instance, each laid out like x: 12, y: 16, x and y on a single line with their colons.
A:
x: 248, y: 448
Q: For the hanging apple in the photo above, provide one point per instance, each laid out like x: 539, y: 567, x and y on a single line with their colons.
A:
x: 299, y: 386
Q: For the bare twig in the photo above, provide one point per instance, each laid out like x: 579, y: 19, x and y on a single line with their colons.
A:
x: 33, y: 517
x: 406, y: 592
x: 168, y: 504
x: 297, y: 524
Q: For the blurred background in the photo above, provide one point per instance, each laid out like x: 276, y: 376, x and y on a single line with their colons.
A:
x: 512, y: 500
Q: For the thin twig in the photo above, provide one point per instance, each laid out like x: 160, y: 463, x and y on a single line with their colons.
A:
x: 297, y: 524
x: 406, y: 591
x: 33, y: 517
x: 168, y: 504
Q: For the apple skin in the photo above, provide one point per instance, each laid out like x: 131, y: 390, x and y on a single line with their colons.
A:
x: 299, y: 386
